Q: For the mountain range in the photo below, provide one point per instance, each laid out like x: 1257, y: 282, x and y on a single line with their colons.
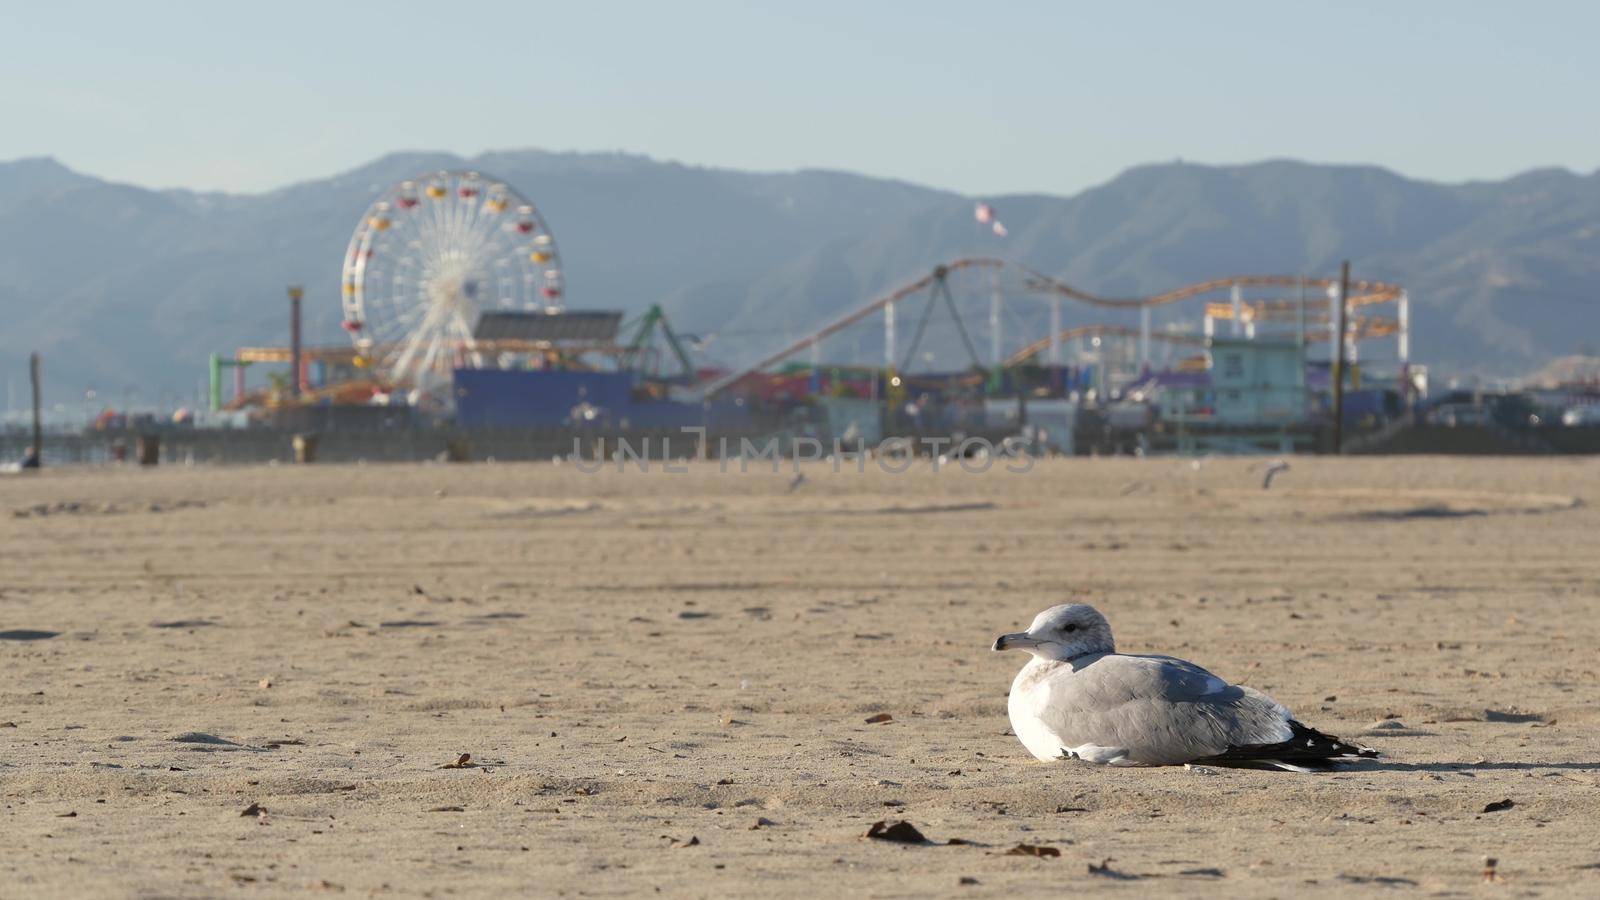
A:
x: 128, y: 290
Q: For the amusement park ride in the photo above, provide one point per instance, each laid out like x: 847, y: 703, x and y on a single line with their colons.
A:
x: 1308, y: 318
x: 457, y: 272
x: 428, y: 260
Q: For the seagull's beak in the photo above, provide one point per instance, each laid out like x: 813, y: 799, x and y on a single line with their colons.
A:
x: 1021, y: 640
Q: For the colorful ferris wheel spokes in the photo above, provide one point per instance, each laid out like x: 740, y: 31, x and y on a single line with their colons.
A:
x: 427, y: 258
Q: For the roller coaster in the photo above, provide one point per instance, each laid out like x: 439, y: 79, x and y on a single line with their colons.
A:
x: 1309, y: 317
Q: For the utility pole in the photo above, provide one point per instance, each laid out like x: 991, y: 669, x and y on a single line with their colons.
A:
x: 1338, y: 365
x: 295, y: 293
x: 995, y: 341
x: 38, y: 427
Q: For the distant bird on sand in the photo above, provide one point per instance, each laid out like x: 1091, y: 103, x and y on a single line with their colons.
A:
x: 797, y: 482
x: 1078, y: 698
x: 1273, y: 468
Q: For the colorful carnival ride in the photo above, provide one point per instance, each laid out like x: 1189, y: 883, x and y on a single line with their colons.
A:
x: 427, y: 259
x: 454, y: 301
x: 453, y: 272
x: 987, y: 341
x: 1022, y: 314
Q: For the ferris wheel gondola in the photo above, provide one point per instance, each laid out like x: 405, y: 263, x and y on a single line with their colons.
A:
x: 430, y: 255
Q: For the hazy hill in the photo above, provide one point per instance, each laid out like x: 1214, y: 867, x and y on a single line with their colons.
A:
x: 122, y: 286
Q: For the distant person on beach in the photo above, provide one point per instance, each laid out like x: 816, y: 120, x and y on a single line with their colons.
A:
x: 30, y: 457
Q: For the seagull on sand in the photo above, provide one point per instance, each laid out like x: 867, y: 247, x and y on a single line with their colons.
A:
x: 1273, y: 468
x: 1078, y: 698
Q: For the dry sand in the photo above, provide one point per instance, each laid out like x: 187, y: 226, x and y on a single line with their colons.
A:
x: 636, y: 661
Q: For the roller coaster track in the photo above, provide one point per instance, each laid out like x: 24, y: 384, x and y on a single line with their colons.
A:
x: 1361, y: 328
x: 1362, y: 293
x: 1032, y: 350
x: 717, y: 385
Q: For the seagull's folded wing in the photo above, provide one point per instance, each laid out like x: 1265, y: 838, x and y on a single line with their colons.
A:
x: 1159, y: 710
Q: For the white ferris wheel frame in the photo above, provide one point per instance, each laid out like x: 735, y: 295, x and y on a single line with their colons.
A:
x: 431, y: 254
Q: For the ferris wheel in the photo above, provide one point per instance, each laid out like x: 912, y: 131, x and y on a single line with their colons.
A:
x: 427, y: 258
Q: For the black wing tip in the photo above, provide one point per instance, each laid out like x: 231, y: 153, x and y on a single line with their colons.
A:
x: 1306, y: 749
x: 1333, y: 747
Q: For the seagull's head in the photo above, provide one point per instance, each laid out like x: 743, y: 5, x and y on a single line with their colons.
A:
x: 1062, y: 633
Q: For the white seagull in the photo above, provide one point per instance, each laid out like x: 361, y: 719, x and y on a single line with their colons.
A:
x: 1273, y: 468
x: 1078, y: 698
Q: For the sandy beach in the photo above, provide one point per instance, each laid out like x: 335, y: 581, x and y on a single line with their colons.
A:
x: 664, y: 681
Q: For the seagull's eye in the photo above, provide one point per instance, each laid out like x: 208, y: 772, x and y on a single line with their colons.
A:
x: 1069, y: 628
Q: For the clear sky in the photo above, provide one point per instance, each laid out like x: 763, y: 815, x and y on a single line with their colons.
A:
x: 979, y: 97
